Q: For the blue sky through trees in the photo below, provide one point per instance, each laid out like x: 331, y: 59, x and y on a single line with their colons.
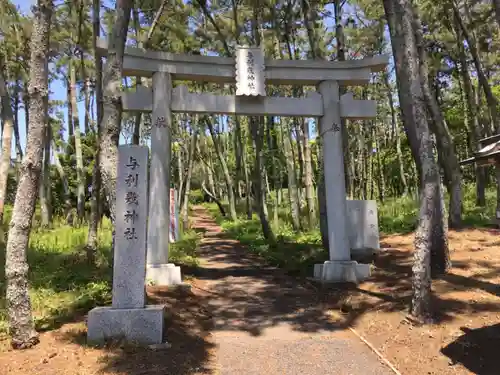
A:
x: 58, y: 89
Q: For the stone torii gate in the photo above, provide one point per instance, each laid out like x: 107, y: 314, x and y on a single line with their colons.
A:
x: 142, y: 223
x: 250, y: 72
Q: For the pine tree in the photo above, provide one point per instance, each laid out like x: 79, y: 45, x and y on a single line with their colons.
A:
x: 21, y: 325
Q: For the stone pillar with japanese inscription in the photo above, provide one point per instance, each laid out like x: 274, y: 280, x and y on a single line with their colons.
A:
x: 159, y: 271
x: 130, y: 227
x: 339, y: 268
x: 128, y: 316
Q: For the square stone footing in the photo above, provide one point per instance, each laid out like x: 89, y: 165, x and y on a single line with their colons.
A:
x: 341, y: 271
x: 143, y: 326
x: 163, y: 274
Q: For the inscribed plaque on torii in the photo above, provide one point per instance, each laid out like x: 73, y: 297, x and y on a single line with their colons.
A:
x: 250, y: 75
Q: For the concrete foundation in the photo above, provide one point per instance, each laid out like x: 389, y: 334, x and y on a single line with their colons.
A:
x: 144, y: 326
x: 341, y: 272
x: 163, y: 274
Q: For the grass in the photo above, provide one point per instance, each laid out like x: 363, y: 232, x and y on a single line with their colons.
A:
x: 62, y: 283
x: 297, y: 251
x: 399, y: 215
x: 63, y: 286
x: 184, y: 252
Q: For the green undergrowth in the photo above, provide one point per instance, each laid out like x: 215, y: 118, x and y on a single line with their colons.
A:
x: 400, y: 215
x: 63, y: 286
x: 184, y: 251
x: 294, y: 251
x: 62, y: 283
x: 298, y: 251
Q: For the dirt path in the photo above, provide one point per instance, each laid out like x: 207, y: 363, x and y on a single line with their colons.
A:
x: 266, y: 322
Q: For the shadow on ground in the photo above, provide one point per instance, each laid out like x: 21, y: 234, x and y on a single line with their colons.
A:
x: 188, y: 331
x: 242, y: 293
x: 393, y: 276
x: 188, y: 326
x: 476, y: 349
x: 279, y: 294
x: 268, y: 300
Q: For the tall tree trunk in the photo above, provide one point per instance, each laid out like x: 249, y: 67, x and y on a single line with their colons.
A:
x: 225, y: 170
x: 81, y: 12
x: 381, y: 171
x: 361, y: 172
x: 248, y: 186
x: 246, y: 174
x: 138, y: 80
x: 69, y: 102
x: 444, y: 139
x: 496, y: 7
x: 19, y: 149
x: 206, y: 165
x: 21, y: 325
x: 293, y: 195
x: 471, y: 115
x: 236, y: 136
x: 88, y: 117
x: 483, y: 80
x: 308, y: 175
x: 26, y: 102
x: 265, y: 183
x: 352, y: 174
x: 66, y: 193
x: 8, y: 123
x: 430, y: 230
x: 92, y: 238
x: 46, y: 171
x: 323, y: 222
x: 369, y: 151
x: 257, y: 131
x: 316, y: 53
x: 210, y: 176
x: 181, y: 172
x: 491, y: 100
x: 80, y: 173
x: 300, y: 156
x: 44, y: 186
x: 305, y: 159
x: 273, y: 151
x: 307, y: 13
x: 397, y: 134
x: 187, y: 190
x: 112, y: 109
x: 256, y: 125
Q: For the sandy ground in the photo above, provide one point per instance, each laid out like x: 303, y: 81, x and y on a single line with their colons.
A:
x: 466, y: 336
x: 243, y: 317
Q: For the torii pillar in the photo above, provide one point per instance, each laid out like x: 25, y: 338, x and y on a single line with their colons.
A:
x: 339, y: 267
x: 158, y: 269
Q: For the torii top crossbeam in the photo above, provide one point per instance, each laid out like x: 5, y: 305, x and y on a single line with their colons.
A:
x: 138, y: 62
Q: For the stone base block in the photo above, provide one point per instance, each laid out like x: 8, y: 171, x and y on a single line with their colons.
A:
x: 144, y: 326
x: 341, y: 271
x: 163, y: 274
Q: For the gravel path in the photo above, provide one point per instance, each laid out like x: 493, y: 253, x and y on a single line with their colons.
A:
x: 268, y: 323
